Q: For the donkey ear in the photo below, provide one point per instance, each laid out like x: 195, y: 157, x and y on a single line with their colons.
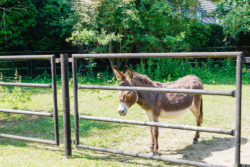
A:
x: 118, y: 73
x: 129, y: 72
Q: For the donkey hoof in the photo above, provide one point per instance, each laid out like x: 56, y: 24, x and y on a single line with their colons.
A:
x: 195, y: 141
x: 155, y: 153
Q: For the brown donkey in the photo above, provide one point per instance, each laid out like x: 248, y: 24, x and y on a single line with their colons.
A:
x: 163, y: 105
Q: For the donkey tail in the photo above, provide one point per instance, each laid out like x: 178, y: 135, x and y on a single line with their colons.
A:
x: 201, y: 112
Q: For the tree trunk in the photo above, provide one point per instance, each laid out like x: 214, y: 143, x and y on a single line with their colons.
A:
x: 117, y: 62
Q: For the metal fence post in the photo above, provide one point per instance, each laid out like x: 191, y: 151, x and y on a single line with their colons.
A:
x: 55, y: 112
x: 66, y: 106
x: 76, y: 115
x: 238, y: 109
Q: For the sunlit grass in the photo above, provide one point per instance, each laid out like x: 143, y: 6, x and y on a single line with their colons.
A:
x: 219, y: 112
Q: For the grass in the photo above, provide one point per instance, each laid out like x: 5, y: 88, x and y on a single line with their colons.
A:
x: 218, y: 112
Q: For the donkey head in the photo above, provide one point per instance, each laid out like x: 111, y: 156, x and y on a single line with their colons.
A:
x: 127, y: 98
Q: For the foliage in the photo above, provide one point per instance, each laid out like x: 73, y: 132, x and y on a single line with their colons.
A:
x: 130, y: 26
x: 234, y: 16
x: 12, y: 23
x: 211, y: 71
x: 172, y: 69
x: 13, y: 95
x: 35, y: 25
x: 204, y: 35
x: 53, y: 26
x: 103, y: 22
x: 43, y: 78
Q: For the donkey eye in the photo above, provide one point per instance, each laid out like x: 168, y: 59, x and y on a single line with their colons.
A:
x: 129, y: 92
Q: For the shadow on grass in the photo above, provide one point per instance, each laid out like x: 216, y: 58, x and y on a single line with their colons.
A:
x: 43, y: 128
x: 85, y: 126
x: 27, y: 126
x: 104, y: 156
x: 39, y: 127
x: 205, y: 148
x: 192, y: 152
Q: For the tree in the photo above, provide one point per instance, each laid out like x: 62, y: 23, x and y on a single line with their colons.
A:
x: 234, y: 16
x: 130, y: 25
x: 54, y: 22
x: 35, y: 25
x: 15, y: 18
x: 200, y: 35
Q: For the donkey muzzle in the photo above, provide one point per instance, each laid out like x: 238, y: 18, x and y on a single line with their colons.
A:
x: 122, y: 109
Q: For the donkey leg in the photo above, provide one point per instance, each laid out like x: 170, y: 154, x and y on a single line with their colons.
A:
x: 150, y: 118
x: 197, y: 134
x: 154, y: 132
x: 197, y: 111
x: 152, y: 138
x: 156, y: 135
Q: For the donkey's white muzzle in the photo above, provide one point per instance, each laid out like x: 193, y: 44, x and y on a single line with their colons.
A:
x: 122, y: 109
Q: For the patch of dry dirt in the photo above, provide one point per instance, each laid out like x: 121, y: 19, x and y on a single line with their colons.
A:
x: 211, y: 148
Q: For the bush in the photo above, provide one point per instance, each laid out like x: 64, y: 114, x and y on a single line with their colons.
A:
x: 208, y: 70
x: 204, y: 35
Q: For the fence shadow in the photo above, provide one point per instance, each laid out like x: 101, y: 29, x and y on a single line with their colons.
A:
x: 104, y: 156
x: 190, y: 152
x: 85, y: 126
x: 27, y: 126
x: 40, y: 127
x: 205, y: 148
x: 43, y: 128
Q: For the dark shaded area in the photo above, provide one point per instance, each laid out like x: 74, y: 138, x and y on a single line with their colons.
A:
x: 212, y: 145
x: 32, y: 69
x: 28, y: 126
x: 40, y: 127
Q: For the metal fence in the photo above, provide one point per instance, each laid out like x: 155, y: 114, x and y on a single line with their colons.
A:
x: 233, y: 93
x: 52, y: 86
x: 66, y: 100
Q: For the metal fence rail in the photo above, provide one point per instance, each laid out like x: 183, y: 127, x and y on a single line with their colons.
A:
x: 46, y: 114
x: 159, y: 90
x: 162, y: 125
x: 30, y: 139
x: 147, y: 156
x: 236, y: 93
x: 27, y: 57
x: 160, y: 55
x: 53, y: 115
x: 39, y: 85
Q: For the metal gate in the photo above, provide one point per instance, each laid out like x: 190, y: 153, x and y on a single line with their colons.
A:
x: 233, y: 93
x: 66, y: 107
x: 52, y: 86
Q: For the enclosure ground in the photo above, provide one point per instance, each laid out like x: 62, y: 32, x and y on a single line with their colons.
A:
x: 212, y: 148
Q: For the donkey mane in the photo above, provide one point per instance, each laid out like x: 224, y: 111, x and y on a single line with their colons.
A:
x: 144, y: 80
